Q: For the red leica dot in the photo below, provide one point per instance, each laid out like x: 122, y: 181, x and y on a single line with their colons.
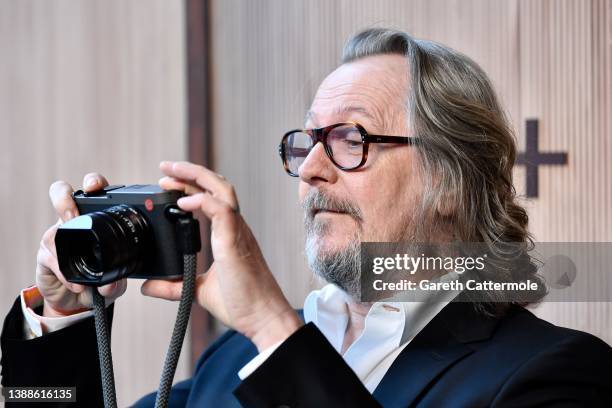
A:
x: 149, y: 204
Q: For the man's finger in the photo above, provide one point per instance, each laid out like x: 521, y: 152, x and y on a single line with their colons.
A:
x: 94, y: 181
x: 171, y: 183
x: 60, y: 193
x: 114, y: 289
x: 209, y: 205
x: 48, y: 238
x: 47, y: 260
x: 162, y: 289
x: 204, y: 178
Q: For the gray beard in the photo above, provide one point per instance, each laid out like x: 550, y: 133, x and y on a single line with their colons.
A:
x: 342, y: 268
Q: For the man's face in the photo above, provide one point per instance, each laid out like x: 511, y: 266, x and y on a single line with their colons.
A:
x: 383, y: 194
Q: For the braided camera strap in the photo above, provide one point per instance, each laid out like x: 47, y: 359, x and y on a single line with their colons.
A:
x: 174, y: 350
x: 178, y: 334
x: 104, y: 350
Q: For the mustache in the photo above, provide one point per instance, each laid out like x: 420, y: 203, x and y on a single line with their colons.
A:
x: 316, y: 201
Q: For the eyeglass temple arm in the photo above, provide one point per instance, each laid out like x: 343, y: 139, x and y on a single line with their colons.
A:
x: 390, y: 139
x: 300, y: 151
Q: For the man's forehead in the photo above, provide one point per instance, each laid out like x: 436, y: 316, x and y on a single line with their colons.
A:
x: 370, y: 88
x: 373, y: 114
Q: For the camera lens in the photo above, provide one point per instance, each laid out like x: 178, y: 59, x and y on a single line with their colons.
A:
x: 103, y: 246
x: 91, y: 262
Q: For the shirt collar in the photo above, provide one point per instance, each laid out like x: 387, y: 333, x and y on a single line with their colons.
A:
x: 392, y: 320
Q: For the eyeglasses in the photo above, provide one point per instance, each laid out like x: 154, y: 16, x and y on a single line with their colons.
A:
x: 346, y: 145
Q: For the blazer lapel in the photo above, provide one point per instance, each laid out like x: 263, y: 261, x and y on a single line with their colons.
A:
x: 443, y: 342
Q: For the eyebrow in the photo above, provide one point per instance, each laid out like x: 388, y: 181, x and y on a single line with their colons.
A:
x: 345, y: 109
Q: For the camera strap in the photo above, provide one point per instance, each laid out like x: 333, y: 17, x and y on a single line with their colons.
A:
x: 104, y: 349
x: 189, y: 243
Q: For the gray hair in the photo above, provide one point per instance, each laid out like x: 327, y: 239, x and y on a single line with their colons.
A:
x: 468, y: 144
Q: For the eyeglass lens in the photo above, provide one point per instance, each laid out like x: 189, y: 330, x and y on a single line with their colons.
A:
x: 344, y: 143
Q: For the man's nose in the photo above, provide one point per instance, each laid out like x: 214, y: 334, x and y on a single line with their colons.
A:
x: 318, y: 166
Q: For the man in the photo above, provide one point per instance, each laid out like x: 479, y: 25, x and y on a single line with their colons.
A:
x: 429, y: 161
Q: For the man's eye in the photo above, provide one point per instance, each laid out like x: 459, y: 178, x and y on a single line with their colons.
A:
x: 352, y: 143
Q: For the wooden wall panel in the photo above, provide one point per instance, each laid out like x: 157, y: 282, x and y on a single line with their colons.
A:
x: 566, y: 82
x: 549, y: 59
x: 89, y: 86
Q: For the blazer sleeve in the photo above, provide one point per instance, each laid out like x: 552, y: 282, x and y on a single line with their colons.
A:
x: 180, y: 392
x: 67, y: 357
x: 306, y: 371
x: 575, y: 372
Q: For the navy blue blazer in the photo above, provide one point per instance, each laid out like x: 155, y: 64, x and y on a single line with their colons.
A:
x: 462, y: 358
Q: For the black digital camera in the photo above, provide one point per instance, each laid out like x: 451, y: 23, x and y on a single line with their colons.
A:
x: 122, y: 231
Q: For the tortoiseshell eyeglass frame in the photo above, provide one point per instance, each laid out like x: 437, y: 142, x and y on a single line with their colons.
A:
x: 320, y: 135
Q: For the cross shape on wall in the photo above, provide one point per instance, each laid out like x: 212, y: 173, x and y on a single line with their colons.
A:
x: 531, y: 158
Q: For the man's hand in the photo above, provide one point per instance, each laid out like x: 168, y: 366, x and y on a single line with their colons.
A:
x: 62, y: 298
x: 239, y: 288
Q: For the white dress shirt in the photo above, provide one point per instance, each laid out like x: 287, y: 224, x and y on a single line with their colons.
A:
x: 389, y: 328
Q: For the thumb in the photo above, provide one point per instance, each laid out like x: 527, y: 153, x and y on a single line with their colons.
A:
x: 162, y: 289
x: 113, y: 290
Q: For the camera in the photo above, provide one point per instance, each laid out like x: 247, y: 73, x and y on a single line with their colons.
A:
x: 123, y: 231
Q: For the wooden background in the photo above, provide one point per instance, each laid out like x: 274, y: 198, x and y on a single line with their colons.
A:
x: 89, y: 86
x: 100, y: 85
